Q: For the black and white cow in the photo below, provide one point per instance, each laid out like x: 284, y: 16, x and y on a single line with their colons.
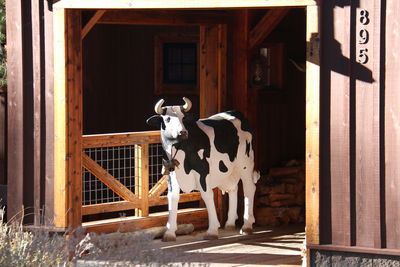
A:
x: 204, y: 154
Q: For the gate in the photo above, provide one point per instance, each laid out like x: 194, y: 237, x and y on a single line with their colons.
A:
x: 122, y: 172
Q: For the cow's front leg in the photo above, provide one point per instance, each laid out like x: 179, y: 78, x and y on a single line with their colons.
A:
x: 173, y: 199
x: 232, y: 209
x: 213, y: 223
x: 249, y: 188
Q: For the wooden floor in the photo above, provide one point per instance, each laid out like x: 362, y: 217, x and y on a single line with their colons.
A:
x: 266, y: 247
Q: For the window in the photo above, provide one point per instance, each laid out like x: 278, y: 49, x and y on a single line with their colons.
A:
x: 176, y: 64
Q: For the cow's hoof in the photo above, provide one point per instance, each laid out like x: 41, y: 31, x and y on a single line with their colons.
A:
x: 169, y: 237
x: 208, y: 236
x: 246, y: 231
x: 230, y: 227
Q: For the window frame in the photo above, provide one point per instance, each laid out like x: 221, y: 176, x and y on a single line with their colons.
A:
x: 161, y: 88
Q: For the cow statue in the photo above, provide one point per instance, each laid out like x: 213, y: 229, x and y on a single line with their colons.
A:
x: 204, y: 154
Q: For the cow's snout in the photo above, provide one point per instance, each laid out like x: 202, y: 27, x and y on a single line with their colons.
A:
x: 183, y: 135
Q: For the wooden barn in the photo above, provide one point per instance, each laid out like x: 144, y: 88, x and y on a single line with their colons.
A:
x: 317, y: 79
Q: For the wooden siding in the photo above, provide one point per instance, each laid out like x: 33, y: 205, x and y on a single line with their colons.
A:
x: 391, y: 80
x: 359, y: 131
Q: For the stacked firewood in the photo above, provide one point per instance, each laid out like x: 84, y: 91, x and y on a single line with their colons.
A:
x: 280, y: 196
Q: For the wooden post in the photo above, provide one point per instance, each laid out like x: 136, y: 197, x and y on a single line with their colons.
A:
x: 60, y: 120
x: 67, y: 118
x: 142, y: 178
x: 15, y: 129
x: 37, y: 85
x: 312, y: 126
x: 240, y: 60
x: 49, y: 118
x: 74, y: 116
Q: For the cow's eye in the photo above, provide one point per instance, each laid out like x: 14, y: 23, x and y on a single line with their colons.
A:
x: 168, y: 119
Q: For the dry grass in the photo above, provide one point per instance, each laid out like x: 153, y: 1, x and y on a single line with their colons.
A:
x: 41, y: 248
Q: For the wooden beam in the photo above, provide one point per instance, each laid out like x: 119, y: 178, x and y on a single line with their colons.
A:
x: 266, y: 25
x: 110, y: 207
x: 108, y: 179
x: 163, y: 17
x: 184, y: 197
x: 198, y: 217
x: 158, y: 188
x: 120, y: 139
x: 15, y: 150
x: 93, y: 20
x: 60, y: 120
x: 179, y: 4
x: 312, y: 126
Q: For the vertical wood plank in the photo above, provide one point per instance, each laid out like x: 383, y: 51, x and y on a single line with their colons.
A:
x: 14, y: 108
x: 74, y: 119
x: 392, y: 125
x: 340, y: 129
x: 312, y: 125
x: 60, y: 119
x: 367, y: 133
x: 222, y: 54
x: 142, y: 178
x: 239, y: 61
x: 208, y: 70
x: 37, y: 86
x: 49, y: 115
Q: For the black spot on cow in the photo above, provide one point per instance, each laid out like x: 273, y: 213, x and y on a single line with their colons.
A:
x: 226, y: 136
x: 245, y: 125
x: 222, y: 166
x: 197, y: 140
x: 248, y: 146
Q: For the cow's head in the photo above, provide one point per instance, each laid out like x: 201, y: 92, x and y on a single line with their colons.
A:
x: 172, y: 120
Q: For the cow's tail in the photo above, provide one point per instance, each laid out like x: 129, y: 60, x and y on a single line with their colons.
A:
x: 256, y: 176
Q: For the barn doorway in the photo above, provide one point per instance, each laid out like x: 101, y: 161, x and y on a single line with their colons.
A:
x: 68, y: 73
x: 127, y: 67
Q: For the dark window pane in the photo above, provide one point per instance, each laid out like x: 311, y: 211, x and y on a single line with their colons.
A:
x: 180, y: 63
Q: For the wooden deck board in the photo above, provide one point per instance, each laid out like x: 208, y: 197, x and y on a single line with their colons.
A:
x: 267, y: 246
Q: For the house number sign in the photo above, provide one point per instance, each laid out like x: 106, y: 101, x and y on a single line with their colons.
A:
x: 363, y: 35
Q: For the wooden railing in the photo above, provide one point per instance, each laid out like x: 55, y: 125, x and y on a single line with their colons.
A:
x: 140, y: 197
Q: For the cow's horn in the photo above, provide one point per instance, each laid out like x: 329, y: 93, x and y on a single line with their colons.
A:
x: 188, y: 104
x: 158, y: 107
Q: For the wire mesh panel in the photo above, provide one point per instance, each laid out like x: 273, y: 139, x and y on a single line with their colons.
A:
x: 119, y: 161
x: 155, y: 164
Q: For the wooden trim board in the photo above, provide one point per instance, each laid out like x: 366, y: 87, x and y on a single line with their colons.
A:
x: 180, y: 4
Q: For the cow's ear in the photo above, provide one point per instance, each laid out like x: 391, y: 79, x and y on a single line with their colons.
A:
x: 155, y: 121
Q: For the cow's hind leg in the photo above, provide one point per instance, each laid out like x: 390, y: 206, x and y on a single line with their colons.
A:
x: 213, y: 223
x: 173, y: 199
x: 232, y: 209
x: 249, y: 189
